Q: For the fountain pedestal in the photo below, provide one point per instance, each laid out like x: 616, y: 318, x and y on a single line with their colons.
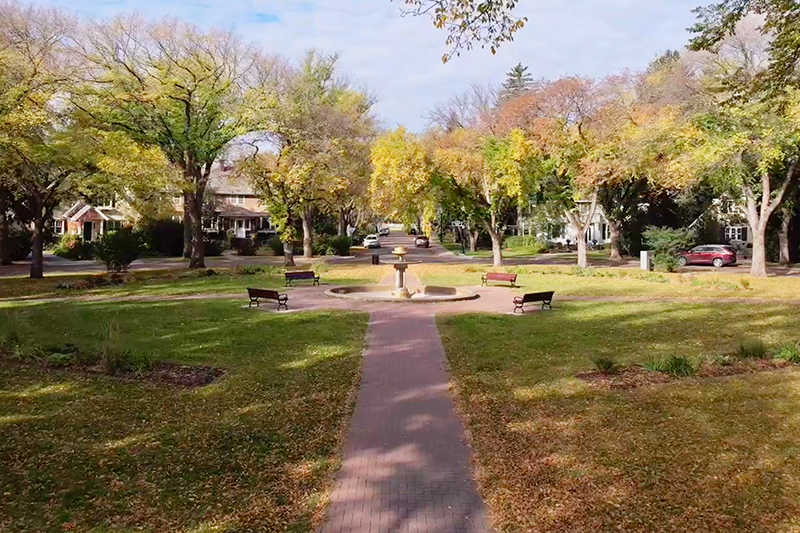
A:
x: 400, y: 266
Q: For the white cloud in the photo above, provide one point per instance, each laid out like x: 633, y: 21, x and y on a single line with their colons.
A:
x: 399, y: 57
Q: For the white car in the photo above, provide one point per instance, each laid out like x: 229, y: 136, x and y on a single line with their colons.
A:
x: 372, y: 241
x: 383, y: 232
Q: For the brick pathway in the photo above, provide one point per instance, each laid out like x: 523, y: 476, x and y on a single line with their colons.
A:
x: 406, y: 466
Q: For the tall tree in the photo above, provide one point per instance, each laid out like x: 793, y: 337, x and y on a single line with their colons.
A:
x: 468, y: 22
x: 488, y: 175
x: 558, y: 119
x: 518, y: 80
x: 402, y: 174
x: 317, y: 123
x: 169, y: 85
x: 719, y: 21
x: 33, y: 67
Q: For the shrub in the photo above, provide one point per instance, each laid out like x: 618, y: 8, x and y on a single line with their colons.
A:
x: 276, y: 244
x: 165, y: 237
x: 752, y: 349
x: 119, y: 248
x: 666, y: 244
x: 248, y: 247
x: 745, y: 283
x: 606, y: 365
x: 526, y: 241
x: 250, y: 270
x: 788, y: 352
x: 73, y: 247
x: 213, y: 248
x: 674, y: 365
x: 20, y: 243
x: 331, y: 246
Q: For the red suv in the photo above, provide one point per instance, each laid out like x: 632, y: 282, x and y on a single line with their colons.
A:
x: 709, y: 254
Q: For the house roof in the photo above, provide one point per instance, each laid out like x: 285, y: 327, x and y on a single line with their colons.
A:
x: 237, y: 211
x: 228, y: 182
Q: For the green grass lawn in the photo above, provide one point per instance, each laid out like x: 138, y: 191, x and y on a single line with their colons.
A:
x: 570, y: 281
x: 558, y: 454
x: 170, y: 283
x: 254, y: 451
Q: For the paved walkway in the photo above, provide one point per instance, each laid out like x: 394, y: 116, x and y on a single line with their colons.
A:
x: 406, y: 465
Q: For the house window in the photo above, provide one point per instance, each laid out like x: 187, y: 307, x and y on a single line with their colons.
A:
x: 736, y: 233
x: 58, y: 227
x: 177, y: 199
x: 237, y: 200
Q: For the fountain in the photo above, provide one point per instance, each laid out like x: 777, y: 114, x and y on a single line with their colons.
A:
x: 401, y: 292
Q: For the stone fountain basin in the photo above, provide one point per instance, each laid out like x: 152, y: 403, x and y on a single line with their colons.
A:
x: 377, y: 293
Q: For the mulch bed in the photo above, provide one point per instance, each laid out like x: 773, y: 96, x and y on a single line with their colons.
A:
x: 636, y: 376
x: 168, y: 374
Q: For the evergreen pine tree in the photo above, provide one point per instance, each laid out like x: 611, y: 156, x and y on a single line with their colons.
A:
x: 518, y: 80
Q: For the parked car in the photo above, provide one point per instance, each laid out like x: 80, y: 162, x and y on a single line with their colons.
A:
x: 372, y: 241
x: 383, y: 232
x: 421, y: 241
x: 718, y: 255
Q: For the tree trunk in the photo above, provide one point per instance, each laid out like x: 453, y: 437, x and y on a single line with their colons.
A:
x: 473, y: 240
x: 497, y: 247
x: 758, y: 267
x: 288, y: 254
x: 308, y: 235
x: 342, y: 223
x: 37, y: 255
x: 187, y: 224
x: 5, y: 241
x: 615, y: 229
x: 198, y: 249
x: 580, y: 241
x: 783, y: 235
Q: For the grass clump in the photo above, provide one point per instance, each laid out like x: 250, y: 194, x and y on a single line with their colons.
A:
x: 753, y: 349
x: 606, y: 365
x: 674, y: 365
x: 788, y: 352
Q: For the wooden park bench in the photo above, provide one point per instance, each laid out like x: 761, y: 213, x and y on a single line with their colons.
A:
x: 544, y: 297
x: 267, y: 294
x: 498, y: 276
x: 301, y: 274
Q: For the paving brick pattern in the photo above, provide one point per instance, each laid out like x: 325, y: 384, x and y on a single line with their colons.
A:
x: 406, y: 466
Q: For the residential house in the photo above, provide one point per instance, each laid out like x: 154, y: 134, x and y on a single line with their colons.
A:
x: 88, y: 221
x: 235, y: 206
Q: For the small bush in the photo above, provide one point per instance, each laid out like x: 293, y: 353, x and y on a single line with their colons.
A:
x: 745, y: 283
x: 666, y: 244
x: 276, y: 245
x: 247, y: 247
x: 165, y: 237
x: 20, y: 243
x: 724, y: 360
x: 251, y: 270
x: 73, y: 247
x: 60, y: 360
x: 606, y: 365
x: 119, y: 248
x: 525, y: 241
x: 213, y: 248
x: 752, y: 349
x: 788, y: 352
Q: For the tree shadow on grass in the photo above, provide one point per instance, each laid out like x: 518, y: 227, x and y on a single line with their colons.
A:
x: 556, y: 454
x: 253, y: 451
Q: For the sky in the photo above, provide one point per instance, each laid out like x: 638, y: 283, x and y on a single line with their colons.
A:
x: 399, y: 58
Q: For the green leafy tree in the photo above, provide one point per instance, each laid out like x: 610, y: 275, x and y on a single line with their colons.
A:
x: 169, y: 85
